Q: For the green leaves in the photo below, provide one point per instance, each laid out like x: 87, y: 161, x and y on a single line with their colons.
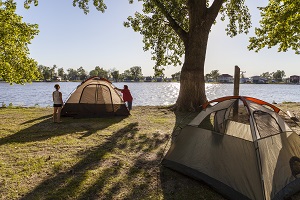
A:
x: 159, y: 36
x: 28, y: 2
x: 238, y: 15
x: 84, y: 5
x: 280, y: 26
x: 166, y: 25
x: 15, y: 65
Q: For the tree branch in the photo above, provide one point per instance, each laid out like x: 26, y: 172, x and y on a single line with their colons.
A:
x: 181, y: 33
x: 214, y: 9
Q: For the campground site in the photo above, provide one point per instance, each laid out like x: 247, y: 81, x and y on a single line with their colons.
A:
x: 98, y: 158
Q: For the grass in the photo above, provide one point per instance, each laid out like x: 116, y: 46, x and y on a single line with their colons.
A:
x: 97, y: 158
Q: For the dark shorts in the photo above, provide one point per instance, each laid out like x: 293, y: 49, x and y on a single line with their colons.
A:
x: 57, y: 105
x: 129, y: 105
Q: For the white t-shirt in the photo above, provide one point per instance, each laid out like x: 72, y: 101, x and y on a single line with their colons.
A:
x: 56, y: 97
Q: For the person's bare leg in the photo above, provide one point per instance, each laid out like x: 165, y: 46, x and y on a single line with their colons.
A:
x: 55, y: 114
x: 58, y: 114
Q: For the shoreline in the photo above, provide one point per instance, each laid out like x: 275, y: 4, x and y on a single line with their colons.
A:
x: 151, y: 106
x: 79, y: 81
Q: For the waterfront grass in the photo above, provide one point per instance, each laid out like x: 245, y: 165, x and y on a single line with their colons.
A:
x: 95, y: 158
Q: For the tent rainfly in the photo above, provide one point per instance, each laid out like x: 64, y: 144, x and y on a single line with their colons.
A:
x: 241, y: 147
x: 95, y: 97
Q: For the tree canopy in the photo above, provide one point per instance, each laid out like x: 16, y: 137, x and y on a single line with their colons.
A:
x: 15, y: 64
x: 214, y: 74
x: 280, y: 25
x: 278, y: 75
x: 136, y: 72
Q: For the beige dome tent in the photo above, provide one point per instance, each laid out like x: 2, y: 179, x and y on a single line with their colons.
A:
x: 241, y: 147
x: 95, y: 97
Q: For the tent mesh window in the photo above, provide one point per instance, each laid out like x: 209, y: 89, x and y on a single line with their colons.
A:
x: 208, y: 122
x: 215, y: 121
x: 266, y: 124
x: 239, y: 113
x: 233, y: 121
x: 220, y: 121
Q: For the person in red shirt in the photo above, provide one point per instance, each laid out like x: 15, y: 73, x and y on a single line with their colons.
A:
x: 127, y: 98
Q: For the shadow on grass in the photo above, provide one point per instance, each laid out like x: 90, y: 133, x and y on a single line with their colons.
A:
x: 46, y: 129
x: 98, y: 177
x: 67, y: 183
x: 177, y: 186
x: 37, y: 119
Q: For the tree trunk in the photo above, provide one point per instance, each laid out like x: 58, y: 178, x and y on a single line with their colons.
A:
x: 192, y: 82
x: 192, y: 90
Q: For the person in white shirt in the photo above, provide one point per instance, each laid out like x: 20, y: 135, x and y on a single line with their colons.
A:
x: 57, y: 103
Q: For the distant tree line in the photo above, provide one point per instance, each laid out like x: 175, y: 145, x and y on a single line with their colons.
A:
x: 133, y: 74
x: 47, y: 73
x: 277, y: 76
x: 54, y: 72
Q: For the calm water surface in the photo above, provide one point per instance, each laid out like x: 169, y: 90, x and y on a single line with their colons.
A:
x: 145, y: 93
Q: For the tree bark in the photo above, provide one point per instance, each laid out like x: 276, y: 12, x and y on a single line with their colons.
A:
x: 192, y: 82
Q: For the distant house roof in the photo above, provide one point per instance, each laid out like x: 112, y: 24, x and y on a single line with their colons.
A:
x: 225, y: 75
x: 225, y: 78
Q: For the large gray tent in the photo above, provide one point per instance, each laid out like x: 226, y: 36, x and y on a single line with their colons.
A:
x: 241, y: 147
x: 95, y: 97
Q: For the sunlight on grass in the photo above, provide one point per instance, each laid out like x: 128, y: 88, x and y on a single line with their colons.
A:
x: 57, y: 166
x: 156, y: 119
x: 31, y: 165
x: 98, y: 158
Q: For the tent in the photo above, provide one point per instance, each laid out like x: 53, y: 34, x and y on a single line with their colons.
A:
x: 241, y: 147
x: 95, y: 97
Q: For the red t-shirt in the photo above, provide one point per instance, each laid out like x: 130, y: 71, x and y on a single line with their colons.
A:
x: 126, y: 95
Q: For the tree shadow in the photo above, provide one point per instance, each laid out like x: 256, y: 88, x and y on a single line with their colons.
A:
x: 111, y: 176
x: 47, y: 129
x: 70, y: 184
x: 37, y: 119
x: 177, y: 186
x: 71, y: 180
x: 144, y: 163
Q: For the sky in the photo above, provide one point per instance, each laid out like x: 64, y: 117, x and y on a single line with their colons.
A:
x: 70, y: 39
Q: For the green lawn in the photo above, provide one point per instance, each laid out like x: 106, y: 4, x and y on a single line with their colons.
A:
x: 97, y: 158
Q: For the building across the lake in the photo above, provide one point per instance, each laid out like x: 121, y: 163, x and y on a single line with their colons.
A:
x: 148, y: 79
x: 225, y: 78
x: 295, y: 79
x: 245, y: 80
x: 258, y: 79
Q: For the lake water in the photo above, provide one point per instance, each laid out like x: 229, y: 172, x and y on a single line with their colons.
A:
x: 153, y: 93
